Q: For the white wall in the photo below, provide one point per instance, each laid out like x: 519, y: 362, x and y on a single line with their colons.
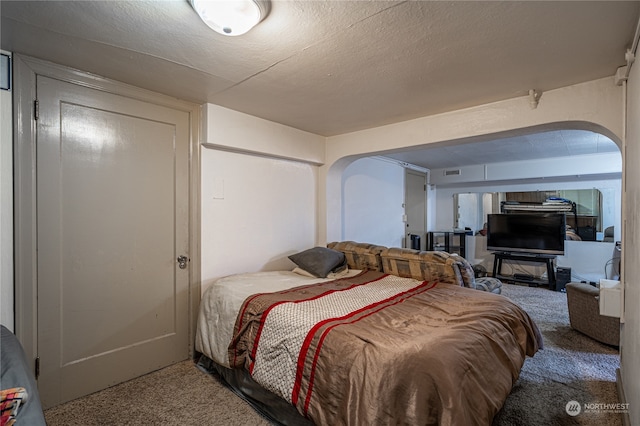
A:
x: 255, y: 212
x: 630, y: 337
x: 257, y: 204
x: 555, y: 168
x: 373, y: 197
x: 468, y: 214
x: 227, y: 129
x: 589, y: 260
x: 6, y: 209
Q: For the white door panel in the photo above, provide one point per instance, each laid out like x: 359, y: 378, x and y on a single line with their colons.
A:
x: 112, y: 199
x: 415, y: 206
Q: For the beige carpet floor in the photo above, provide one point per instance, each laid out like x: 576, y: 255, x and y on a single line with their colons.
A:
x: 571, y: 367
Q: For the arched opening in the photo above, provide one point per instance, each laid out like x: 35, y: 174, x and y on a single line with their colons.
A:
x: 564, y: 158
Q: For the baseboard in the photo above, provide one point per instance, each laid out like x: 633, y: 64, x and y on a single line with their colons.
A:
x: 626, y: 420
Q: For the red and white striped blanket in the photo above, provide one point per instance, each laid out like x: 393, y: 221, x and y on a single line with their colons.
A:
x: 379, y: 349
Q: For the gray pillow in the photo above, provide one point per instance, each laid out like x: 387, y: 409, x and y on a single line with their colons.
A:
x: 320, y: 261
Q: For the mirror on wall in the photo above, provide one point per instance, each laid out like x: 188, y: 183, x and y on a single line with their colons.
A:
x: 588, y: 217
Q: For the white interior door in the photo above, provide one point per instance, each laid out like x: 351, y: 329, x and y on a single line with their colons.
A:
x: 415, y: 206
x: 113, y: 203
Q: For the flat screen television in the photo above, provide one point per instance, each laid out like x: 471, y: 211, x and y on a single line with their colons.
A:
x: 542, y: 233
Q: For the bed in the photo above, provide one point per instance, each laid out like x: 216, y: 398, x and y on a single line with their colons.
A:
x: 398, y: 337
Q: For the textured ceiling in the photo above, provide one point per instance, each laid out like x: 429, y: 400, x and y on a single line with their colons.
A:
x: 519, y: 148
x: 332, y: 67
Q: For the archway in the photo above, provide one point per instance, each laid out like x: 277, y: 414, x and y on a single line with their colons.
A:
x: 595, y: 106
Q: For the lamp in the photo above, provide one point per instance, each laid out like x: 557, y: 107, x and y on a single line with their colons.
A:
x: 231, y: 17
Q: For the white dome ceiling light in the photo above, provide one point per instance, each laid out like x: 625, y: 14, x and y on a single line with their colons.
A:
x: 231, y: 17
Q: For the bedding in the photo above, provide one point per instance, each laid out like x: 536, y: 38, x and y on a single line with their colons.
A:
x: 405, y: 339
x: 221, y: 303
x: 381, y: 349
x: 320, y: 261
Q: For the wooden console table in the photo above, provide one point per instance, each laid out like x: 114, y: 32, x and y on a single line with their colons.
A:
x: 524, y: 257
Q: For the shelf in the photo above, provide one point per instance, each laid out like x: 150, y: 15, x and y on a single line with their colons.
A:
x: 539, y: 207
x: 532, y: 283
x: 523, y: 257
x: 447, y: 241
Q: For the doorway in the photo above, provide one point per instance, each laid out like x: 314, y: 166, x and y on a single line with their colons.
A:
x: 107, y: 214
x: 415, y: 209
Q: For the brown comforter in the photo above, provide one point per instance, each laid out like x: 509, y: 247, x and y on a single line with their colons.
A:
x: 378, y: 349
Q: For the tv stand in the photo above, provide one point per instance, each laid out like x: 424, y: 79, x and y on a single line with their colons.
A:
x: 523, y: 278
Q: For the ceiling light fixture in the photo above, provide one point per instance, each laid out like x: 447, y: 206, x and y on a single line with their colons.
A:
x: 231, y: 17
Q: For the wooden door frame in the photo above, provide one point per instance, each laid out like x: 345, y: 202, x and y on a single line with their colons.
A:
x: 25, y: 71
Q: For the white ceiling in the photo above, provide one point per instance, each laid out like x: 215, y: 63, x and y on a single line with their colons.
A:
x: 518, y: 148
x: 332, y: 67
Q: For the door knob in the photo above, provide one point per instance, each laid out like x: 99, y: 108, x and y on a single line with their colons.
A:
x: 182, y: 262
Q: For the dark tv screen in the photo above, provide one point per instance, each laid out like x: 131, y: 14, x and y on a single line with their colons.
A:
x: 530, y: 233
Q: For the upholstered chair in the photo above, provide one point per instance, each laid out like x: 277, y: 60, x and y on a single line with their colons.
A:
x: 584, y: 314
